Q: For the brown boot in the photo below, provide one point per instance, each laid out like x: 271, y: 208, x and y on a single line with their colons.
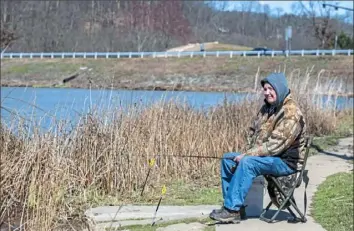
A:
x: 242, y: 212
x: 226, y: 216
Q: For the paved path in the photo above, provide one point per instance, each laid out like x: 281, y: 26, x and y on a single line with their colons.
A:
x: 191, y: 47
x: 320, y: 166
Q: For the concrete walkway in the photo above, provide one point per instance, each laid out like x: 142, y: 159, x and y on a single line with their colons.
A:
x: 320, y: 166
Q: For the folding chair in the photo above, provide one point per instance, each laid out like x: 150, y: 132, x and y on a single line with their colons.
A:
x: 288, y: 198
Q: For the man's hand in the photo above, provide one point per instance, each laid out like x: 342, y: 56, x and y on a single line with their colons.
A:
x: 238, y: 158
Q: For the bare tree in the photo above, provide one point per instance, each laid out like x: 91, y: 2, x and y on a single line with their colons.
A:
x: 116, y: 25
x: 7, y: 30
x: 7, y: 38
x: 322, y: 24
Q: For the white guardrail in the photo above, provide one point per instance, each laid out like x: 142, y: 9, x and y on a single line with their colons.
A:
x: 177, y: 54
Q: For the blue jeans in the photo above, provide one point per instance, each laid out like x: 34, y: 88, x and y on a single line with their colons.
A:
x: 236, y: 184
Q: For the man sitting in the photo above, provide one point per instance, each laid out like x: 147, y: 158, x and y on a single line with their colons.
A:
x: 276, y: 147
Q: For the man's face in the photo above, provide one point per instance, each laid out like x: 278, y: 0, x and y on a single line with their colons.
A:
x: 269, y: 93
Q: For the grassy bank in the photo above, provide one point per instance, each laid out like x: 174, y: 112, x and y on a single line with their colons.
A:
x: 50, y: 178
x: 333, y: 203
x: 198, y: 73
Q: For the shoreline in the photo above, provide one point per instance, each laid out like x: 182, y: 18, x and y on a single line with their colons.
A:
x: 238, y: 74
x: 172, y: 89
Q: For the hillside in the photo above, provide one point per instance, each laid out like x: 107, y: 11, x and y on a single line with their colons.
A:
x: 100, y: 26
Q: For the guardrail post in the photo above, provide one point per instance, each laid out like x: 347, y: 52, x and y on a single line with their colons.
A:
x: 348, y: 52
x: 178, y: 54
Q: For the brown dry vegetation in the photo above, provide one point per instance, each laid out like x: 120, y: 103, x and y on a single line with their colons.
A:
x: 49, y: 179
x: 201, y: 74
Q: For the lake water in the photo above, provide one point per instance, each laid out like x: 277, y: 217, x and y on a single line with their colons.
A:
x: 63, y: 103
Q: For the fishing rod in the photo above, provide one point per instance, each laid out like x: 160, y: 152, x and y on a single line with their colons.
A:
x: 201, y: 157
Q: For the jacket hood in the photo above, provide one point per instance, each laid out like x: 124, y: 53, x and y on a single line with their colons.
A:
x: 280, y: 84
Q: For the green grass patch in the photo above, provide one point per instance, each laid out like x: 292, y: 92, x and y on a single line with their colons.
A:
x: 322, y: 143
x: 178, y: 193
x: 181, y: 193
x: 21, y: 69
x: 156, y: 226
x: 40, y: 67
x: 227, y: 47
x: 344, y: 129
x: 333, y: 203
x: 346, y: 125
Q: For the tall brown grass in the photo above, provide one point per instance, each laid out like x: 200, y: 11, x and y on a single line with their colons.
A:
x: 50, y: 178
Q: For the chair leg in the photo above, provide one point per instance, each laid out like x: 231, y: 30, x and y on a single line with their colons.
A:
x: 302, y: 216
x: 291, y: 212
x: 280, y: 208
x: 262, y: 216
x: 294, y: 218
x: 287, y: 198
x: 292, y: 201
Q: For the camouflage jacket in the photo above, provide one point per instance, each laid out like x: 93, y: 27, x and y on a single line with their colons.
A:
x: 279, y: 133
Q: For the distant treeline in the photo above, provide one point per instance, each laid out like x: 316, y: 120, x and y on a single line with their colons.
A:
x: 49, y: 26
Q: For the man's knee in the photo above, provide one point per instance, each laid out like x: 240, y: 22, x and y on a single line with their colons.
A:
x: 247, y: 161
x: 230, y: 155
x: 227, y: 163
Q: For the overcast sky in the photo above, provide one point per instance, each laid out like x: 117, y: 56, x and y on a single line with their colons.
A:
x: 286, y: 5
